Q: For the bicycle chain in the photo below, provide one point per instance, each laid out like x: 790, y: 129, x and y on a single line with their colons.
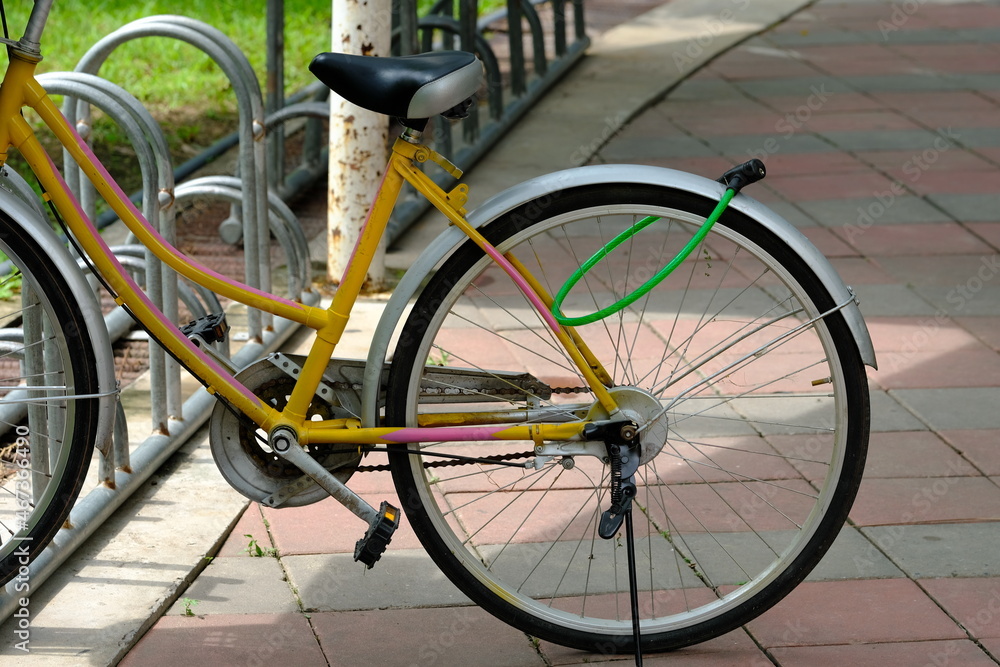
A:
x: 446, y: 464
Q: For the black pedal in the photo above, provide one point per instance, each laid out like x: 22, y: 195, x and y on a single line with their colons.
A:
x: 211, y: 328
x: 371, y: 547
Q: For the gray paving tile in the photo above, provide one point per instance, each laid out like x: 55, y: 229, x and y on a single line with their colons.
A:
x: 933, y: 36
x: 952, y: 550
x: 976, y: 80
x: 968, y: 208
x: 971, y: 297
x: 701, y: 88
x: 946, y: 270
x: 977, y: 35
x: 794, y: 86
x: 639, y: 148
x: 905, y: 83
x: 793, y: 213
x: 976, y: 137
x: 761, y: 145
x: 568, y: 570
x: 891, y: 301
x: 906, y: 209
x: 882, y: 140
x: 853, y: 557
x: 823, y: 37
x: 403, y: 578
x: 889, y: 415
x: 239, y: 585
x: 954, y: 408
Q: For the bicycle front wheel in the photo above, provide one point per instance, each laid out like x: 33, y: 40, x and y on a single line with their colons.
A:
x: 47, y: 425
x: 740, y: 370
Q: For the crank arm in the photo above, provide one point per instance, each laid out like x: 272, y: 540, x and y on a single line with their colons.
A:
x: 287, y: 447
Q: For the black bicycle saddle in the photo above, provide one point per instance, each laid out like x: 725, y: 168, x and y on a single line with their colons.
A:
x: 415, y: 87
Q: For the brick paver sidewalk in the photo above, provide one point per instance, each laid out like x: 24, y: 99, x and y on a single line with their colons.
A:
x: 880, y: 126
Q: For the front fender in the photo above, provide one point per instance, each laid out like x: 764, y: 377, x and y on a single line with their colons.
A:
x: 535, y: 188
x: 16, y: 204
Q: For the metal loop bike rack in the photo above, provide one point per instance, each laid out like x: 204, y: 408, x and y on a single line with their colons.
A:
x: 123, y: 469
x: 157, y: 176
x: 282, y: 223
x: 251, y: 128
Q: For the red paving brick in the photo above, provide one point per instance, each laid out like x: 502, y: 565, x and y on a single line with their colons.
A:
x: 828, y: 242
x: 222, y: 639
x: 859, y: 120
x: 328, y: 527
x: 986, y: 329
x: 975, y: 603
x: 980, y: 446
x: 829, y: 186
x: 914, y: 102
x: 883, y: 502
x: 990, y: 231
x: 853, y: 612
x: 938, y: 181
x: 732, y: 648
x: 939, y: 368
x: 802, y: 164
x: 905, y: 166
x: 251, y: 523
x: 993, y: 647
x: 405, y: 637
x: 896, y: 654
x: 941, y: 238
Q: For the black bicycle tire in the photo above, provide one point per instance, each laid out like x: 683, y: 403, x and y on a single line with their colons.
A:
x: 77, y: 452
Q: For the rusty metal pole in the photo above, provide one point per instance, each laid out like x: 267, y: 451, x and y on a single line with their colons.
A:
x: 358, y: 139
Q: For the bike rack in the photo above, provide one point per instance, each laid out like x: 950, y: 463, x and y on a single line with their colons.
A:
x: 123, y: 471
x: 252, y: 159
x: 282, y: 222
x: 157, y: 178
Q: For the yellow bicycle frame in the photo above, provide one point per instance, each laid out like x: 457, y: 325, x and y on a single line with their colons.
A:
x: 20, y: 89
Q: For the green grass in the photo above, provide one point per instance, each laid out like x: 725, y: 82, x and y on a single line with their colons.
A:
x: 167, y: 74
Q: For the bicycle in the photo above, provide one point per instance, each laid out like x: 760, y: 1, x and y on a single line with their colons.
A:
x: 605, y: 370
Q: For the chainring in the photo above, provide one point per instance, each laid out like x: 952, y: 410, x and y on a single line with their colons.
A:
x: 246, y: 461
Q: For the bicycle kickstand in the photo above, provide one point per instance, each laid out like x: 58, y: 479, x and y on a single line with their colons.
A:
x: 624, y: 450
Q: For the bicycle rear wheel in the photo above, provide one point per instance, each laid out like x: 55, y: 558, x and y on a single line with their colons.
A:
x: 46, y: 434
x: 754, y: 411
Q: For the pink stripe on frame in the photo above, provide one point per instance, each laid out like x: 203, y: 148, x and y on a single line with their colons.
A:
x: 522, y: 284
x: 445, y: 434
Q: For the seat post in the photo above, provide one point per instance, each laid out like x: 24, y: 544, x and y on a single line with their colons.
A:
x: 411, y: 135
